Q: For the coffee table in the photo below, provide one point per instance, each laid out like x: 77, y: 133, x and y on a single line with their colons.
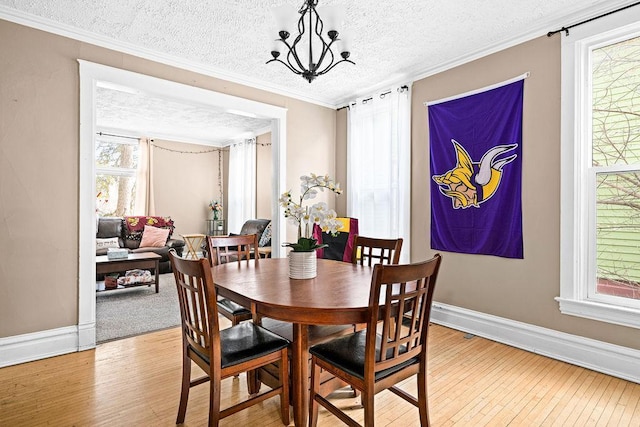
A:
x: 142, y: 260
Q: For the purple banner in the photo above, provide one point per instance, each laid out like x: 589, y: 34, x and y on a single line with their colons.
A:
x: 476, y: 173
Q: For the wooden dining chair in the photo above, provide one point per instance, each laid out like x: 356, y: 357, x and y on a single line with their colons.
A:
x: 369, y: 250
x: 221, y: 353
x: 239, y: 248
x: 382, y: 355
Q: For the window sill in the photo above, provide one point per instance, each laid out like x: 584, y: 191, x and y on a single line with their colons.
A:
x: 609, y: 313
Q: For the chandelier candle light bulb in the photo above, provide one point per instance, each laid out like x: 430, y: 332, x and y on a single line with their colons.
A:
x: 302, y: 258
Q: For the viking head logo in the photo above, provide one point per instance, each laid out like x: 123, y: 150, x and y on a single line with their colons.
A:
x: 469, y: 183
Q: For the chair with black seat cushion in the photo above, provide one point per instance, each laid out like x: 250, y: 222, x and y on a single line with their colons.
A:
x: 221, y: 353
x: 369, y: 250
x: 223, y: 249
x: 385, y: 353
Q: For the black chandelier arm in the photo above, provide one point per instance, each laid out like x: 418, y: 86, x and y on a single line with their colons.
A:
x: 331, y: 62
x: 293, y: 49
x: 296, y: 60
x: 325, y: 47
x: 318, y: 30
x: 336, y: 63
x: 285, y: 64
x: 312, y: 11
x: 291, y: 52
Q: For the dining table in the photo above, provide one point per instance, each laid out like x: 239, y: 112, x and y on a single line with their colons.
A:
x: 338, y: 295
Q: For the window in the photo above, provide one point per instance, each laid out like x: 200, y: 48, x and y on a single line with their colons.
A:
x: 242, y: 184
x: 378, y: 165
x: 615, y: 166
x: 116, y: 168
x: 600, y: 211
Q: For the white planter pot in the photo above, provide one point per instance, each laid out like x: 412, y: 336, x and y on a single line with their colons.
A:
x: 302, y: 265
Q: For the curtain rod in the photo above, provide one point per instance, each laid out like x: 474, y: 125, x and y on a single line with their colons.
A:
x: 117, y: 136
x: 566, y: 29
x: 382, y: 95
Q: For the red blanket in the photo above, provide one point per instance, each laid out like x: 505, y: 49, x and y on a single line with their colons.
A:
x: 134, y: 225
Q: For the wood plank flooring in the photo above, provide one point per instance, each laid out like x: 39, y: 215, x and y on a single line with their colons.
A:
x: 473, y: 382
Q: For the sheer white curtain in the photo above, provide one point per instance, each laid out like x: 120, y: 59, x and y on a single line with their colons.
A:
x: 242, y: 184
x: 145, y: 202
x: 379, y: 165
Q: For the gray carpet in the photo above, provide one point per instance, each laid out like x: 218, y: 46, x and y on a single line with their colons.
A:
x: 128, y: 312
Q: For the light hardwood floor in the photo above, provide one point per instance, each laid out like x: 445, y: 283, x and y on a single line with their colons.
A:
x: 473, y: 382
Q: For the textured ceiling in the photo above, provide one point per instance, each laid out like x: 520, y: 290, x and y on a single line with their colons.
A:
x: 127, y: 110
x: 391, y: 41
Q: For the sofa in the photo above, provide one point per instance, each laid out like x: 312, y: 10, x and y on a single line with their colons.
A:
x: 261, y: 227
x: 128, y: 232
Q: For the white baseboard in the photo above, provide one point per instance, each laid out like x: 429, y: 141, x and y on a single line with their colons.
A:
x: 86, y: 336
x: 40, y: 345
x: 610, y: 359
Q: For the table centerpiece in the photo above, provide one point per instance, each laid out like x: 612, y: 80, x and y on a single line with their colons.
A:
x: 302, y: 258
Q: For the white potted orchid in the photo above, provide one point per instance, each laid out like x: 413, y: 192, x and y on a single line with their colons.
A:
x: 302, y: 258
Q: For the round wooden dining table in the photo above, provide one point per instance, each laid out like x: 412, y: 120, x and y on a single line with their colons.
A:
x: 338, y: 295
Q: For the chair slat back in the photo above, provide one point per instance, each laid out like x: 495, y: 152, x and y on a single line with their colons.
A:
x: 399, y: 292
x: 223, y: 249
x: 197, y: 300
x: 370, y: 251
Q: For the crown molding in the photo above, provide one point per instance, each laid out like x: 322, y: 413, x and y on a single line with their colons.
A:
x: 564, y: 19
x: 542, y: 29
x: 47, y: 25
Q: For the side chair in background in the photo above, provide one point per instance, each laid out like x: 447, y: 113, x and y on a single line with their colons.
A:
x: 370, y: 251
x: 239, y: 248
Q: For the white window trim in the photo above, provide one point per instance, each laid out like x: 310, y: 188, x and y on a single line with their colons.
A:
x: 115, y: 171
x: 576, y: 221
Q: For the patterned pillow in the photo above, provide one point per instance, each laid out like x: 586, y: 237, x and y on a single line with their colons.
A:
x: 265, y: 239
x: 111, y: 242
x: 134, y: 225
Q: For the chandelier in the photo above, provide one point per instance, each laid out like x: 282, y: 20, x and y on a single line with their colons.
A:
x: 310, y: 53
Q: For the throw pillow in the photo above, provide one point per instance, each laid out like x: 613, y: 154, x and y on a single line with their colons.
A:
x: 265, y: 239
x: 154, y: 237
x: 111, y: 242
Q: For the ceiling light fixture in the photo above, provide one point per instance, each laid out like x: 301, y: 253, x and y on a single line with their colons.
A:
x: 317, y: 54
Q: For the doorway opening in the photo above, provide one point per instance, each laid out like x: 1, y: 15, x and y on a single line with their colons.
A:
x: 90, y: 75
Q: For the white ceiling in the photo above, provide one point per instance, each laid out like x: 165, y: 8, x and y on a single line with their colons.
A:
x: 135, y: 113
x: 391, y: 41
